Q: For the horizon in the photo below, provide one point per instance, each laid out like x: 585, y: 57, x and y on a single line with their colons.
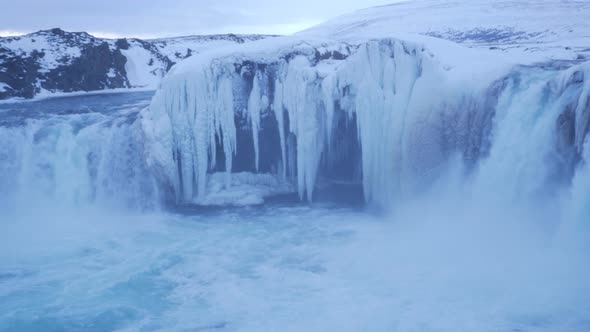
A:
x: 113, y: 37
x: 153, y: 21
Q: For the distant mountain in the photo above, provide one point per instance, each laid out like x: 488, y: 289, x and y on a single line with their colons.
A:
x: 53, y: 61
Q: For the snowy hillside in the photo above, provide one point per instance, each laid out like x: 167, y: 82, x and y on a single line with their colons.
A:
x: 541, y: 28
x: 51, y: 61
x: 359, y: 100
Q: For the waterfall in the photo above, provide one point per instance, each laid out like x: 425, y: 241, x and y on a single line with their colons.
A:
x: 64, y: 157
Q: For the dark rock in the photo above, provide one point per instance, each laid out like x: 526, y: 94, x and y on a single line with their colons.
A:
x: 122, y: 44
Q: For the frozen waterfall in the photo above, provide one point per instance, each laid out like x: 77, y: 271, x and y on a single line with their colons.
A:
x: 401, y: 114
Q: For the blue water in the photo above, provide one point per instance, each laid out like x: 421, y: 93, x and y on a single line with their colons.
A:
x: 105, y: 104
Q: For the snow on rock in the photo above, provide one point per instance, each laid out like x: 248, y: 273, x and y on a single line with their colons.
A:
x: 57, y: 61
x: 4, y: 87
x: 178, y: 48
x: 59, y: 47
x: 142, y: 70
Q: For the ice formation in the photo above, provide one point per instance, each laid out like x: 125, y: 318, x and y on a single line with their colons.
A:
x: 413, y: 107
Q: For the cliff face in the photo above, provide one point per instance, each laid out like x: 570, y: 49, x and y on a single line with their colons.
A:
x: 54, y: 60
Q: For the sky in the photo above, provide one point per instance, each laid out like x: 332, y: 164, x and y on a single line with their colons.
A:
x: 160, y: 18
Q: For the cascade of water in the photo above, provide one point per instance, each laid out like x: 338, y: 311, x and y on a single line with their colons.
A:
x: 72, y: 160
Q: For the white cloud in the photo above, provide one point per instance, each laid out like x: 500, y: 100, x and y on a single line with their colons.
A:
x: 275, y: 29
x: 114, y: 35
x: 10, y: 33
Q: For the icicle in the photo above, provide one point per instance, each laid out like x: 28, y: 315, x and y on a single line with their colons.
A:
x: 201, y: 113
x: 254, y: 105
x: 279, y: 115
x: 227, y: 126
x: 329, y: 100
x: 305, y: 121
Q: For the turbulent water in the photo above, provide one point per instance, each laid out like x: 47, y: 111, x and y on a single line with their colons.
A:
x: 285, y: 268
x: 75, y: 151
x: 86, y: 244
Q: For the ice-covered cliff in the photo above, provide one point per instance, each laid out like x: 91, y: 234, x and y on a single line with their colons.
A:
x: 392, y: 110
x: 54, y: 61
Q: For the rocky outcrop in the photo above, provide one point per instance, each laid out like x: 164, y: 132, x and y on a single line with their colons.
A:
x: 97, y: 68
x: 55, y: 60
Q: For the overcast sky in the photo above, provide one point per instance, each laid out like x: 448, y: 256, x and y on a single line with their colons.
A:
x: 161, y: 18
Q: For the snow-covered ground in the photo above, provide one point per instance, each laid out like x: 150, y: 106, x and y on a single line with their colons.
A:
x: 533, y: 29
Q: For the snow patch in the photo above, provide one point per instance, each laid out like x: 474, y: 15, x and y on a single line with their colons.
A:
x: 141, y: 68
x: 532, y: 30
x: 4, y: 87
x: 244, y: 189
x: 111, y: 73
